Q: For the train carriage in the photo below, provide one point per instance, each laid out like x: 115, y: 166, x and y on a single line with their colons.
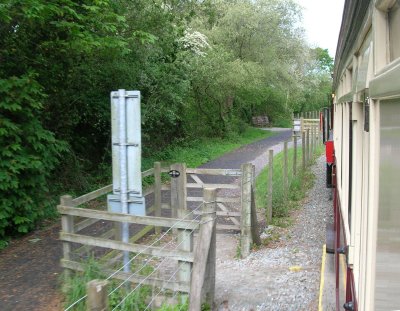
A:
x: 366, y: 138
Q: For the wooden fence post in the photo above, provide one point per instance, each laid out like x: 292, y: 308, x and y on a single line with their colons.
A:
x: 202, y: 284
x: 307, y: 146
x: 178, y: 191
x: 294, y: 155
x: 67, y: 226
x: 97, y: 295
x: 303, y: 150
x: 179, y: 210
x: 312, y: 143
x: 157, y: 192
x: 285, y: 168
x: 210, y: 209
x: 245, y: 225
x: 270, y: 186
x: 255, y: 233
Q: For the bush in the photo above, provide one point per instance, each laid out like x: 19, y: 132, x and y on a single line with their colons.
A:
x: 28, y: 154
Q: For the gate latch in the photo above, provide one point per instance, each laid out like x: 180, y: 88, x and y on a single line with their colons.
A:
x: 174, y: 173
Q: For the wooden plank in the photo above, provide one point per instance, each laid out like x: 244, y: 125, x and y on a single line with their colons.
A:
x: 202, y: 250
x: 67, y: 225
x: 208, y: 171
x: 165, y: 169
x: 294, y: 155
x: 92, y: 195
x: 216, y: 186
x: 307, y: 146
x: 151, y: 209
x: 97, y: 295
x: 165, y: 206
x: 166, y: 187
x: 85, y: 248
x: 157, y: 192
x: 171, y: 285
x: 219, y: 199
x: 225, y: 209
x: 179, y: 191
x: 303, y: 151
x: 223, y: 213
x: 149, y: 172
x: 148, y: 190
x: 129, y: 247
x: 285, y: 169
x: 228, y: 227
x: 270, y: 184
x: 197, y: 179
x: 133, y: 239
x: 245, y: 220
x: 142, y: 220
x: 255, y: 234
x: 84, y: 224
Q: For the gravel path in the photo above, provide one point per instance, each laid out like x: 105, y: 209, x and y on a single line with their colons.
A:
x: 264, y: 280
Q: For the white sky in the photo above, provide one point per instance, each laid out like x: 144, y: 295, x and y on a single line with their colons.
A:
x: 322, y: 20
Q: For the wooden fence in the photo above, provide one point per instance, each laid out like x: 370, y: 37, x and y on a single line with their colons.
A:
x: 94, y: 230
x: 230, y: 206
x: 201, y: 261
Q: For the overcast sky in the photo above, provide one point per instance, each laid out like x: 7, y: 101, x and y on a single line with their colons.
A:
x: 322, y: 20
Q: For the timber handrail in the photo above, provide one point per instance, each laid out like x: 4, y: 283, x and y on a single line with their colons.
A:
x: 142, y: 220
x: 107, y: 189
x: 130, y: 247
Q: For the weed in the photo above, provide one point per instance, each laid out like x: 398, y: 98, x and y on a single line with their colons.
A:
x: 238, y: 252
x: 284, y: 201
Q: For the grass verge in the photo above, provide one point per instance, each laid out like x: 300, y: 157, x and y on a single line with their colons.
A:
x: 285, y: 200
x: 200, y: 151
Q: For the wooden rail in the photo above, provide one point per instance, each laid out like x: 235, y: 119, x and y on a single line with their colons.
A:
x: 118, y: 217
x: 202, y: 258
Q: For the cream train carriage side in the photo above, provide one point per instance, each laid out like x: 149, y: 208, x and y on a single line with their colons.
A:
x: 366, y: 138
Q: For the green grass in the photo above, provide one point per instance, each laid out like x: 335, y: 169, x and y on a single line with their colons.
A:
x: 284, y: 201
x: 200, y: 151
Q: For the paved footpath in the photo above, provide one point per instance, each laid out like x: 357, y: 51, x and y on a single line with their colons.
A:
x: 29, y: 267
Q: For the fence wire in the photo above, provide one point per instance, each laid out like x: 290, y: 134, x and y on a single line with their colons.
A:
x: 141, y: 253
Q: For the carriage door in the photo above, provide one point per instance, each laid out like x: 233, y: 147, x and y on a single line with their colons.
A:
x: 387, y: 273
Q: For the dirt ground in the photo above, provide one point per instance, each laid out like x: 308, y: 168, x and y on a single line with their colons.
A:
x: 30, y: 272
x: 29, y: 267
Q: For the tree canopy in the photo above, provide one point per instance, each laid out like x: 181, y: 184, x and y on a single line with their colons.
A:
x: 203, y: 67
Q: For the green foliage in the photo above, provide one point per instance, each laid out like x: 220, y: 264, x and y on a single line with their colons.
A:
x: 204, y: 68
x: 197, y: 152
x: 27, y: 155
x: 283, y: 202
x: 325, y: 61
x: 179, y: 307
x: 74, y: 288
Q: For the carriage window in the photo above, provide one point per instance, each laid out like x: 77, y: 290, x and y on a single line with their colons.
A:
x: 394, y: 31
x: 387, y: 280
